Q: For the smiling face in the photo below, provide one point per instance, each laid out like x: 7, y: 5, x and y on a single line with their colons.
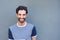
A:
x: 21, y: 15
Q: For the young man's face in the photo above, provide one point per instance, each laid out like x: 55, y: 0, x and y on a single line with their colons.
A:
x: 21, y: 15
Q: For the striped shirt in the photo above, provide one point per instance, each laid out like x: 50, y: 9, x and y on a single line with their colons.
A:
x: 21, y: 33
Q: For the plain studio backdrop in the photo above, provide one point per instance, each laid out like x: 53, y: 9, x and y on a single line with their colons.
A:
x: 45, y: 14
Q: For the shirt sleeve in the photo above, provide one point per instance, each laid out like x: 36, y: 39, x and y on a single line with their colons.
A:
x: 10, y: 37
x: 33, y: 32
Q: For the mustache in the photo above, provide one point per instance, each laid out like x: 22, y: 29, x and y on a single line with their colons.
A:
x: 21, y: 18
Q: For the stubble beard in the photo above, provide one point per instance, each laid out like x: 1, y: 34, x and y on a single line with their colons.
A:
x: 21, y: 20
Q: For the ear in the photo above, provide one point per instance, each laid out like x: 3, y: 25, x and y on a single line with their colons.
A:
x: 16, y: 14
x: 26, y: 15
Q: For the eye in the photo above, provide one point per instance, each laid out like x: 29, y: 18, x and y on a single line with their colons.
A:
x: 24, y: 14
x: 19, y: 14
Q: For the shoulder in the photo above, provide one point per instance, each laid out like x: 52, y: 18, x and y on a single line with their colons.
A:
x: 12, y: 26
x: 31, y: 25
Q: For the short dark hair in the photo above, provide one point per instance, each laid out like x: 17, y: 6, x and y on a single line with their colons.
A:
x: 21, y: 8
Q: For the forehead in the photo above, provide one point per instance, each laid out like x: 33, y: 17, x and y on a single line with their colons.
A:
x: 21, y: 12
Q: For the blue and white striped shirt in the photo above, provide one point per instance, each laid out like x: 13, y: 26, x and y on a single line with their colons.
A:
x: 21, y: 33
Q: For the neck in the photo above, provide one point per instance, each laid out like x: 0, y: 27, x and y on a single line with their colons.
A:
x: 21, y: 23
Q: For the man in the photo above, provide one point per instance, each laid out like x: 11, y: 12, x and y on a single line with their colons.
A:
x: 22, y: 30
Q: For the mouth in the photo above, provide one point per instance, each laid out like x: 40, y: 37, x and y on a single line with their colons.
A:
x: 21, y: 19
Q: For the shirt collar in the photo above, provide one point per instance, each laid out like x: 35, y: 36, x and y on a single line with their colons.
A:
x: 23, y: 25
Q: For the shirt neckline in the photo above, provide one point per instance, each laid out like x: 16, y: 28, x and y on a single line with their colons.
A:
x: 23, y: 25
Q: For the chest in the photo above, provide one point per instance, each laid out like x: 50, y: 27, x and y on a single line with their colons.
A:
x: 22, y: 33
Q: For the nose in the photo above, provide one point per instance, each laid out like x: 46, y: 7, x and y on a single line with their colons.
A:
x: 21, y: 16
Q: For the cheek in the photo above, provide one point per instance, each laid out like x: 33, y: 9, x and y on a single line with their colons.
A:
x: 18, y: 16
x: 24, y: 16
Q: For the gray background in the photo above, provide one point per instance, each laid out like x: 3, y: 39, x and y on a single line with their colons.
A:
x: 45, y: 14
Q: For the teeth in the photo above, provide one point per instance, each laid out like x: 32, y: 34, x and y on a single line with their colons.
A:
x: 21, y: 19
